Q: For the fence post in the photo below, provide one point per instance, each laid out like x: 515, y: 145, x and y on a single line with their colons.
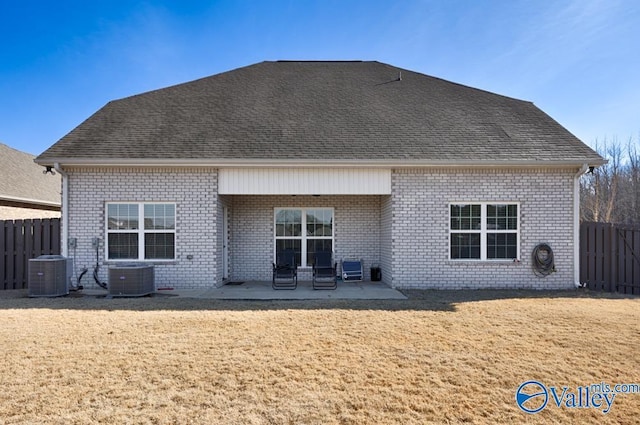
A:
x: 5, y: 256
x: 19, y: 281
x: 584, y: 275
x: 635, y: 274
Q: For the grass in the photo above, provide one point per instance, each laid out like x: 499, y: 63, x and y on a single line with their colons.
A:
x: 439, y: 357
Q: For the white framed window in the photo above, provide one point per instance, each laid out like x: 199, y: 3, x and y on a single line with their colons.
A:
x: 484, y: 231
x: 140, y: 231
x: 305, y: 230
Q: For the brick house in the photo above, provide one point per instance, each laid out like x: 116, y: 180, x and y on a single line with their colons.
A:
x: 443, y: 185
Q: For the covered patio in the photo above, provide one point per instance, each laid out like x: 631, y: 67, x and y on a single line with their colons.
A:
x: 264, y: 211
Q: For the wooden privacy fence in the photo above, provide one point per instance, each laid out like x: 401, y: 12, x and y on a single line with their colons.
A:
x: 21, y: 240
x: 610, y: 257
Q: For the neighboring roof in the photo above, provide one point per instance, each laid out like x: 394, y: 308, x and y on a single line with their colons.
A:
x: 23, y: 184
x: 319, y: 111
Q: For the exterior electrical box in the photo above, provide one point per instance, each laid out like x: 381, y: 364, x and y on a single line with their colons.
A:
x: 49, y: 276
x: 131, y: 280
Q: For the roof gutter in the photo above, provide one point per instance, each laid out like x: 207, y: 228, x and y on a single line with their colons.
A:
x: 576, y: 224
x: 64, y: 235
x: 313, y: 163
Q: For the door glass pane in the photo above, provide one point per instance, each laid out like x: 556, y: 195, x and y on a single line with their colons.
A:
x: 317, y: 245
x: 295, y: 223
x: 295, y: 244
x: 319, y: 222
x: 288, y: 223
x: 280, y: 222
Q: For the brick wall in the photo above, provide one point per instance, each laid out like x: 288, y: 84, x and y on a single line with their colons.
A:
x: 386, y: 238
x: 356, y: 231
x: 193, y: 190
x: 420, y: 225
x: 406, y: 233
x: 223, y: 202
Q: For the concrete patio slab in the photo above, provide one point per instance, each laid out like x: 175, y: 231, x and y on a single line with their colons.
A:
x: 253, y: 290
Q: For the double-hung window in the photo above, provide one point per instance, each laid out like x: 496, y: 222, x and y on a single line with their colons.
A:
x: 305, y: 230
x: 141, y: 231
x: 484, y: 231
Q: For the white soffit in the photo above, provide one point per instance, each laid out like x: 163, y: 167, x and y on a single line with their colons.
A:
x: 304, y: 181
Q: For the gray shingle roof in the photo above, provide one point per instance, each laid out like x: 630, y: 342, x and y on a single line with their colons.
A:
x: 22, y: 180
x: 290, y: 110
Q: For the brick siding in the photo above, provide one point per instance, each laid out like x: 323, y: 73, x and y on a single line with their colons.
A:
x: 386, y: 238
x: 420, y: 248
x: 193, y: 190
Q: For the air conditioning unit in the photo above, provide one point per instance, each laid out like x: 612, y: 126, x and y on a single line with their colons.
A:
x: 131, y: 280
x: 49, y: 276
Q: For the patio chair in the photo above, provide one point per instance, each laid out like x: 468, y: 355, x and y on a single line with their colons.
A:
x: 351, y: 269
x: 285, y: 270
x: 324, y: 271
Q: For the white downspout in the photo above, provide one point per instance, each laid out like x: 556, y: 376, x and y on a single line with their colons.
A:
x: 576, y: 224
x: 64, y: 237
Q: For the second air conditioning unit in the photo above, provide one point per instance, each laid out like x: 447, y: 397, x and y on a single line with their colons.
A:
x: 131, y: 280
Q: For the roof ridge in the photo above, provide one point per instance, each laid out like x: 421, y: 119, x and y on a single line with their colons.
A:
x: 319, y: 60
x: 4, y: 145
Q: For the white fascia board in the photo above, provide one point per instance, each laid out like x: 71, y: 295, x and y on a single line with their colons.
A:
x: 29, y: 201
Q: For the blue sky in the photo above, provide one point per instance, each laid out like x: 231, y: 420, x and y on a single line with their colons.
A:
x: 61, y: 61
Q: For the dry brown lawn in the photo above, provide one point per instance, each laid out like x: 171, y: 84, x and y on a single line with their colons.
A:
x: 439, y: 357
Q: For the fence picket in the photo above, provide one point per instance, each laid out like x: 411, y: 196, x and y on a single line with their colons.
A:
x: 37, y: 237
x: 591, y: 256
x: 46, y: 236
x: 608, y: 266
x: 55, y: 236
x: 29, y: 230
x: 19, y: 255
x: 620, y: 257
x: 11, y: 258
